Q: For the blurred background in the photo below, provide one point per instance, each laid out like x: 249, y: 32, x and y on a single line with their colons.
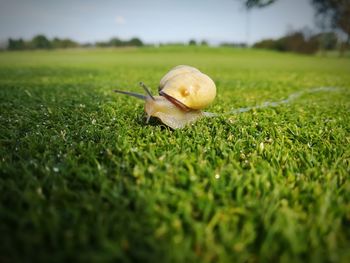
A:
x: 303, y: 26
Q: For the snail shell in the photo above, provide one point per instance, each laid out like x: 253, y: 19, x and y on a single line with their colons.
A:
x: 188, y: 87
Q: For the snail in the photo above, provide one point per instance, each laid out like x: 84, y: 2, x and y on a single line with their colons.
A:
x: 183, y: 93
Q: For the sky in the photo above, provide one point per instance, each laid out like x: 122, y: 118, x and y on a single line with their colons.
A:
x: 153, y: 21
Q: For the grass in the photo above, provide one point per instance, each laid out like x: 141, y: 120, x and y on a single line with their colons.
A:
x: 84, y: 178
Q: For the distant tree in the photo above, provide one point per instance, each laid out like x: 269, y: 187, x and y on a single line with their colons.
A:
x: 330, y: 14
x: 266, y: 44
x: 249, y: 4
x: 116, y: 42
x: 294, y: 42
x: 326, y: 40
x: 204, y: 43
x: 173, y: 44
x: 40, y: 42
x: 16, y: 44
x: 63, y: 43
x: 87, y: 44
x: 297, y: 42
x: 192, y: 42
x: 136, y: 42
x: 233, y: 44
x: 333, y: 14
x: 102, y: 44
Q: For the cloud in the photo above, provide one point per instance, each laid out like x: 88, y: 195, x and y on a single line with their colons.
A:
x: 120, y: 20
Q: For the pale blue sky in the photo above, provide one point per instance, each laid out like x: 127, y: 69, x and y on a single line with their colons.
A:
x: 153, y: 20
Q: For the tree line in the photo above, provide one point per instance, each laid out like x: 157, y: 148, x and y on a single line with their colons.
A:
x: 42, y: 42
x: 302, y: 42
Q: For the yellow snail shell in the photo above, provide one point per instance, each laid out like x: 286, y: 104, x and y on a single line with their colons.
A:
x: 184, y: 91
x: 188, y: 86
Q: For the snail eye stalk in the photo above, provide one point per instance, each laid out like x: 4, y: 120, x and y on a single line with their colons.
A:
x: 147, y: 90
x: 133, y: 94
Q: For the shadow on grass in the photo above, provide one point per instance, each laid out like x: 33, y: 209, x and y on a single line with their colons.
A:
x: 153, y: 121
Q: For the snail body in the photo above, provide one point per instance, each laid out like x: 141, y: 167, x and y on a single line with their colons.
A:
x: 169, y: 113
x: 183, y: 92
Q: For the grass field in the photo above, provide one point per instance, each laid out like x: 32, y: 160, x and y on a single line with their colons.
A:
x: 84, y: 178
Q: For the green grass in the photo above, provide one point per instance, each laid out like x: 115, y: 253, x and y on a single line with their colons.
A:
x: 84, y: 178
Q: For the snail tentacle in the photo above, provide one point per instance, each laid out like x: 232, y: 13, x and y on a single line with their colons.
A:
x: 133, y: 94
x: 148, y: 91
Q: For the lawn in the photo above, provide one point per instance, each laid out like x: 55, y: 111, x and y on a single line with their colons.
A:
x: 84, y: 178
